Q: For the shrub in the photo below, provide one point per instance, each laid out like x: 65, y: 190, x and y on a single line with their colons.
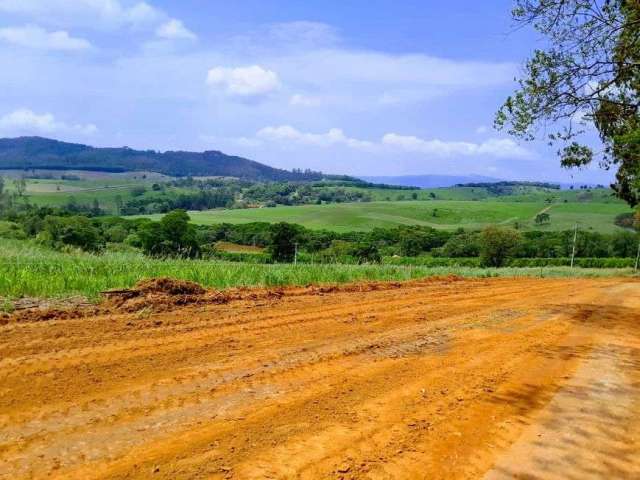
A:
x: 461, y: 245
x: 116, y: 234
x: 497, y: 245
x: 76, y: 231
x: 12, y: 230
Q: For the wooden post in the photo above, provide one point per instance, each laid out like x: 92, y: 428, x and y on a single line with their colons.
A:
x: 573, y: 252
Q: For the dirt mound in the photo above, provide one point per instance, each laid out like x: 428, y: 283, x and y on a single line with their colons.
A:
x: 168, y: 286
x: 155, y: 293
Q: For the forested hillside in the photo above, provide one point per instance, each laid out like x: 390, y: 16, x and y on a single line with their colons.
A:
x: 42, y: 153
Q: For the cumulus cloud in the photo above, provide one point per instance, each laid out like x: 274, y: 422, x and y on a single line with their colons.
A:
x: 175, y: 30
x: 252, y: 81
x: 32, y: 36
x: 501, y: 148
x: 288, y: 134
x: 25, y: 121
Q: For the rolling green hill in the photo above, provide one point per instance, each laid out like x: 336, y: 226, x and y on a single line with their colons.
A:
x: 442, y: 214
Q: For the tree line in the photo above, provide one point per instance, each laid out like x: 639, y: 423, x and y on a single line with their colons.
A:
x: 175, y: 235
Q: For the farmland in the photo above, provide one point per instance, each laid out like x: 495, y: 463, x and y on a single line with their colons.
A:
x: 440, y: 214
x: 84, y: 188
x: 352, y: 207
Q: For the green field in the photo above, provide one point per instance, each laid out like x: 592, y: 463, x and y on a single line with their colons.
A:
x: 520, y: 194
x: 28, y: 270
x: 448, y: 215
x: 452, y: 208
x: 55, y: 192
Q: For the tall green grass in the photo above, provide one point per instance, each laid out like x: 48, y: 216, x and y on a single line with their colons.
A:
x: 29, y: 270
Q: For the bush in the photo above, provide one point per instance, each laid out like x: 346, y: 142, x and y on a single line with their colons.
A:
x: 12, y: 230
x: 497, y: 245
x: 116, y: 234
x: 76, y: 231
x: 461, y: 245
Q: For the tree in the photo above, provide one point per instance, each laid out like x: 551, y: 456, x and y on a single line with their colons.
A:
x: 77, y: 231
x: 543, y: 217
x: 282, y: 244
x: 116, y: 234
x: 172, y: 236
x: 462, y: 245
x: 588, y: 75
x: 497, y: 245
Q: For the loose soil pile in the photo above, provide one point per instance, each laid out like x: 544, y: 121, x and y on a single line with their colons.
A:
x: 448, y: 378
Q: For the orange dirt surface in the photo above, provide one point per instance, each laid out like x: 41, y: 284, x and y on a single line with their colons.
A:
x: 237, y: 248
x: 446, y: 379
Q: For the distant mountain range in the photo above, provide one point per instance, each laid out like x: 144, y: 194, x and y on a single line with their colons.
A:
x: 431, y: 181
x: 26, y: 153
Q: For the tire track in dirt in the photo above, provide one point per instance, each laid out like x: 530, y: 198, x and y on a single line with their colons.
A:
x: 433, y: 379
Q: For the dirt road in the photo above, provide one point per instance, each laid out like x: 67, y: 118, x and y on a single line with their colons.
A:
x: 447, y: 379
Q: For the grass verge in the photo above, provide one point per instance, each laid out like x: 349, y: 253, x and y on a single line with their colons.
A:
x: 27, y: 270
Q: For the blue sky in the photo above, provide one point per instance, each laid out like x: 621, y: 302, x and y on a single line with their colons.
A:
x: 357, y: 87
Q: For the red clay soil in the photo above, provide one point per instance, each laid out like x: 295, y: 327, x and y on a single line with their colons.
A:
x: 442, y: 379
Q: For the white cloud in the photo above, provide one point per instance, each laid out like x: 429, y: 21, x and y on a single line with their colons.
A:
x: 399, y: 75
x: 299, y: 100
x: 249, y: 81
x: 482, y: 129
x: 27, y: 121
x: 501, y: 148
x: 287, y: 134
x: 175, y: 30
x: 86, y: 13
x: 32, y: 36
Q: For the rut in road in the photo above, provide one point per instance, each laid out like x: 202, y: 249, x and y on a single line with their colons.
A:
x: 493, y: 378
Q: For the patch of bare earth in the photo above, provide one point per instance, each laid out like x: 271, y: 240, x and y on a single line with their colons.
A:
x: 445, y: 379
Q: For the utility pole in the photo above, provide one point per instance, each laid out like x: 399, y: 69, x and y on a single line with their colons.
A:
x: 638, y: 256
x: 573, y: 252
x: 295, y: 254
